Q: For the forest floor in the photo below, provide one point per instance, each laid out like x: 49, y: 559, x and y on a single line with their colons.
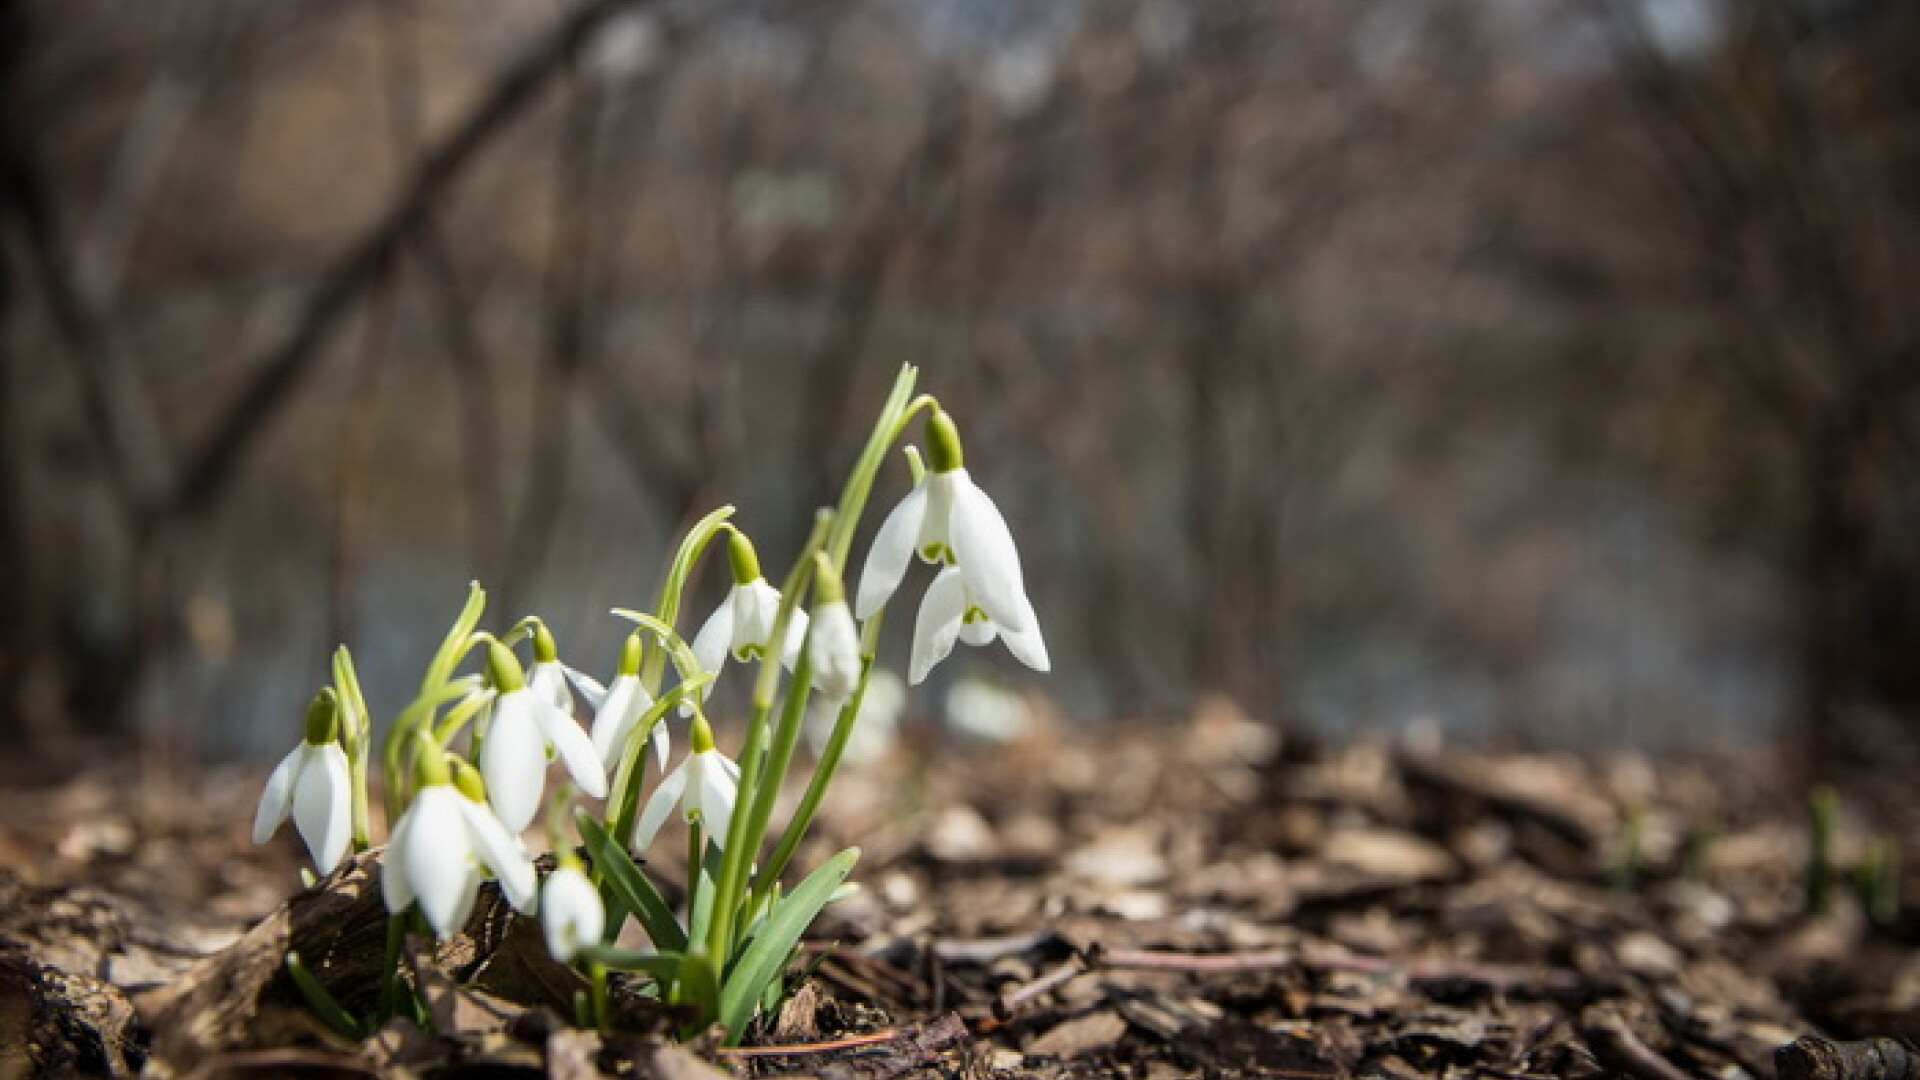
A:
x: 1153, y: 903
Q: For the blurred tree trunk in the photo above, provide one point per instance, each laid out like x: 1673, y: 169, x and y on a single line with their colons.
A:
x: 1808, y: 231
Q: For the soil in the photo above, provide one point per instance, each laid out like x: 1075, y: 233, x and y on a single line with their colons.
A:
x: 1202, y: 899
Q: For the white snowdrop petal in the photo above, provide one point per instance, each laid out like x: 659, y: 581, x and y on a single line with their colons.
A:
x: 654, y: 814
x: 570, y: 912
x: 938, y: 624
x: 436, y: 858
x: 323, y: 805
x: 549, y: 682
x: 892, y: 551
x: 834, y: 650
x: 513, y: 760
x: 394, y: 887
x: 796, y: 640
x: 502, y: 853
x: 276, y: 800
x: 587, y: 686
x: 715, y: 798
x: 715, y: 639
x: 984, y: 548
x: 755, y: 607
x: 620, y: 707
x: 576, y: 751
x: 1028, y: 647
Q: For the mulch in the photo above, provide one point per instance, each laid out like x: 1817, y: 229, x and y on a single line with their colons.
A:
x: 1194, y: 899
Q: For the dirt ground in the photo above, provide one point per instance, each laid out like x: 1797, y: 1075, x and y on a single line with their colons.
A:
x: 1203, y: 899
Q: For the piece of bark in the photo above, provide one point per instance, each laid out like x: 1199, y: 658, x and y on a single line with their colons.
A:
x: 1815, y: 1058
x: 58, y: 1023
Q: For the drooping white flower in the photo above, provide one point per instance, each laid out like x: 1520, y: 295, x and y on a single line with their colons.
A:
x: 742, y: 626
x: 314, y: 786
x: 525, y: 729
x: 833, y: 649
x: 950, y: 612
x: 706, y: 785
x: 442, y: 848
x: 617, y: 707
x: 946, y: 519
x: 571, y: 912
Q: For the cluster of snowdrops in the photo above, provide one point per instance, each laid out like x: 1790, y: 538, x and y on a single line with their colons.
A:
x: 465, y: 764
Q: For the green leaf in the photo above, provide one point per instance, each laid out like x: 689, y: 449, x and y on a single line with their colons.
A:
x: 699, y: 990
x: 766, y: 956
x: 321, y: 1002
x: 663, y: 966
x: 631, y: 887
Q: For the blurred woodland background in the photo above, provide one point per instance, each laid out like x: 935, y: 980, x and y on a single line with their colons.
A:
x: 1546, y: 369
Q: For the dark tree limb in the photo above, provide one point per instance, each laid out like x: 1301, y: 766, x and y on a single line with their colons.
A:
x: 211, y: 466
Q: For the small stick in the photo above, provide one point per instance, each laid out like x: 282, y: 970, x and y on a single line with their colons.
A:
x: 1008, y: 1003
x: 1613, y: 1038
x: 796, y: 1049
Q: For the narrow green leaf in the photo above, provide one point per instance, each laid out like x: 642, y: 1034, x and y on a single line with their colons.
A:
x: 663, y: 966
x: 698, y: 990
x: 321, y: 1002
x: 767, y: 954
x: 631, y: 887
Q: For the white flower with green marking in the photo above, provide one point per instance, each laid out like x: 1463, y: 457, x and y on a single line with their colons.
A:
x: 444, y: 846
x: 950, y: 612
x: 706, y: 785
x: 525, y: 729
x: 571, y: 912
x: 313, y: 785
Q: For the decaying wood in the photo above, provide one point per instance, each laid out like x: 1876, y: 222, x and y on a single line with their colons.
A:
x: 1815, y: 1058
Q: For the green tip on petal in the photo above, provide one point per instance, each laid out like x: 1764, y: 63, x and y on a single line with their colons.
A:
x: 746, y: 561
x: 430, y: 766
x: 544, y: 650
x: 943, y: 442
x: 323, y: 717
x: 503, y: 668
x: 467, y: 780
x: 701, y: 734
x: 827, y: 586
x: 630, y: 654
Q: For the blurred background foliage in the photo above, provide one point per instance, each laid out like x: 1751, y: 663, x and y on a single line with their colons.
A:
x: 1540, y: 368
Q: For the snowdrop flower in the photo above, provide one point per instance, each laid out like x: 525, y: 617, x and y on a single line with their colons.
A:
x: 548, y: 676
x: 619, y: 705
x: 444, y: 845
x: 706, y: 784
x: 833, y: 649
x: 743, y: 623
x: 525, y: 729
x: 950, y: 611
x: 570, y: 911
x: 315, y: 787
x: 946, y: 519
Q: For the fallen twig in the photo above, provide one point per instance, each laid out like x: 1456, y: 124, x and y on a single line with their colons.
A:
x: 1616, y: 1042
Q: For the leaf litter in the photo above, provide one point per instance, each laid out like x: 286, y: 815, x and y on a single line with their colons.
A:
x: 1154, y: 902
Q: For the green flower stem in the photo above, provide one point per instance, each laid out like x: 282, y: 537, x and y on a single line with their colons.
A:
x: 743, y: 837
x: 796, y: 830
x: 356, y: 738
x: 786, y: 735
x: 602, y: 1011
x: 684, y: 560
x: 894, y: 416
x: 390, y: 970
x: 457, y: 642
x: 623, y: 801
x: 413, y: 718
